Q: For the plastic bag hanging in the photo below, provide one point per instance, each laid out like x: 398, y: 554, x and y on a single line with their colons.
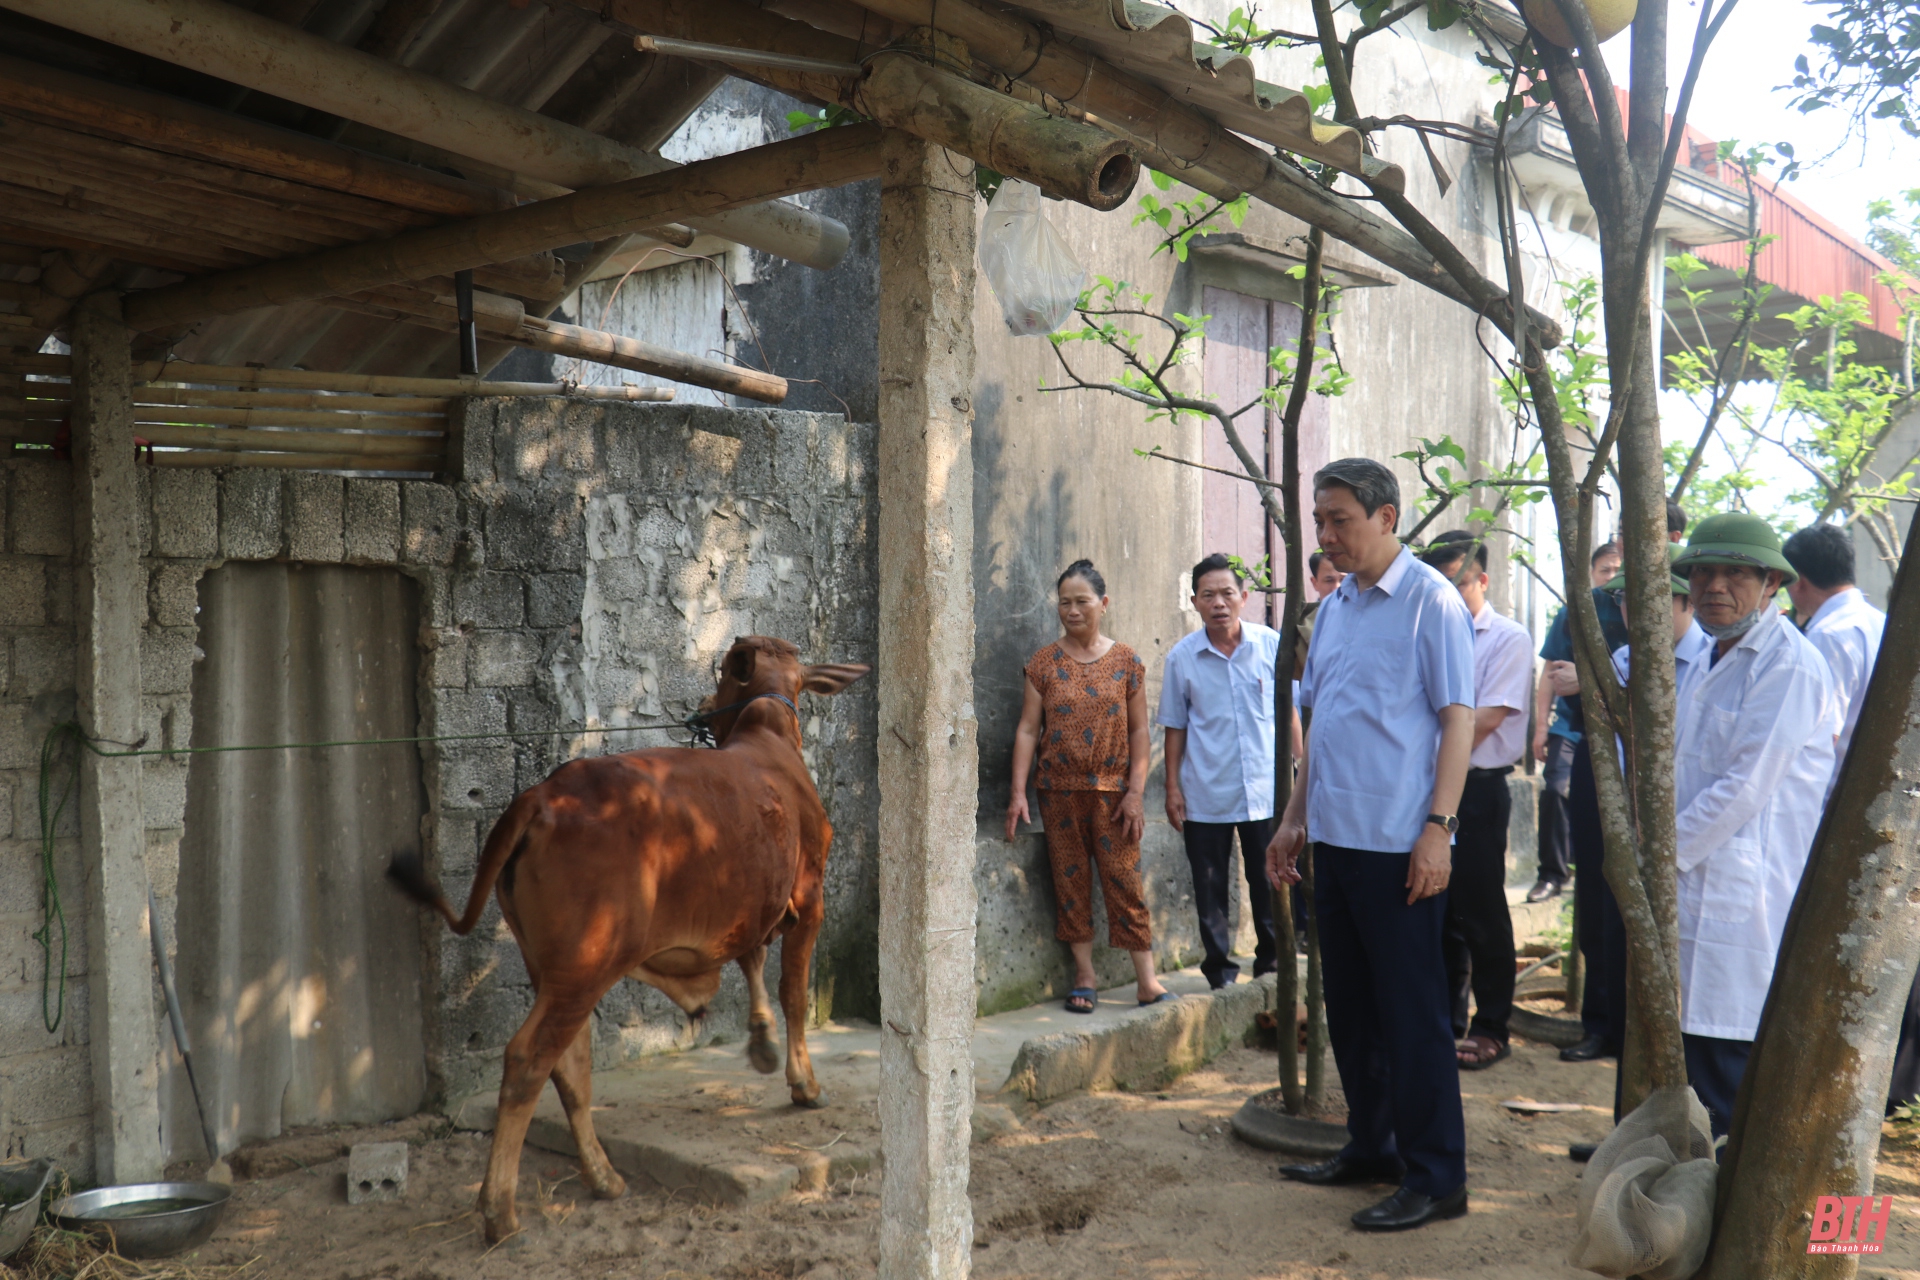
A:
x: 1033, y: 273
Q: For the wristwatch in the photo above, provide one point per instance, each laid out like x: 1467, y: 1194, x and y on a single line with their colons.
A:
x: 1450, y: 821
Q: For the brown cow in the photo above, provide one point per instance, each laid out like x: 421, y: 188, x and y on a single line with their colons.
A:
x: 663, y: 865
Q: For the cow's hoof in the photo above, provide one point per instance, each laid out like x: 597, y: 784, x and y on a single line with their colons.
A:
x: 764, y: 1054
x: 611, y: 1187
x: 817, y: 1101
x: 501, y: 1231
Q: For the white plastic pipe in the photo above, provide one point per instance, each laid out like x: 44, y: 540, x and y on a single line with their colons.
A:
x: 271, y: 57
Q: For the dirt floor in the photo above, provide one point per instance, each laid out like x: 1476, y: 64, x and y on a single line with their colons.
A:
x: 1101, y: 1187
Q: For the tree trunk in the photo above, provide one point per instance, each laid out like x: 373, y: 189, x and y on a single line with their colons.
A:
x: 1807, y: 1123
x: 1284, y: 674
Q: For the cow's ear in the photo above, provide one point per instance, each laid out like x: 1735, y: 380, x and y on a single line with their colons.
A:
x: 832, y: 677
x: 740, y: 663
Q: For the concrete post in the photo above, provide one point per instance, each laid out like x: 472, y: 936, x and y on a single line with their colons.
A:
x: 929, y: 763
x: 110, y: 598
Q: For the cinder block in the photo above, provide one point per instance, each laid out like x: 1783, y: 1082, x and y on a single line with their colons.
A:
x: 553, y: 599
x: 186, y: 512
x: 250, y: 515
x: 445, y: 660
x: 42, y: 1087
x: 313, y: 511
x: 488, y: 599
x: 166, y: 660
x: 42, y: 663
x: 163, y: 792
x: 456, y: 712
x: 376, y: 1171
x: 173, y: 593
x: 60, y: 593
x: 373, y: 521
x: 23, y: 591
x: 430, y: 522
x: 502, y: 659
x: 42, y: 509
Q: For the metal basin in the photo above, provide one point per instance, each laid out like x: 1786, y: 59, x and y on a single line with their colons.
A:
x: 20, y: 1189
x: 182, y: 1215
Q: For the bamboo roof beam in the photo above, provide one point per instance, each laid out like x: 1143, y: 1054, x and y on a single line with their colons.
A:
x: 271, y: 57
x: 908, y: 91
x: 826, y: 158
x: 180, y: 371
x: 182, y: 128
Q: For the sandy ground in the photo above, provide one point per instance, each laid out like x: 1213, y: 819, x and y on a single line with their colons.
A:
x: 1101, y: 1186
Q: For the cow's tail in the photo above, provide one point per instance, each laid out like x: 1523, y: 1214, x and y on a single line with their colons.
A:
x: 409, y: 872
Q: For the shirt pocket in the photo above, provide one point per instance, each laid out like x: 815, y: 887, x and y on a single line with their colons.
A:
x: 1378, y: 666
x: 1718, y: 731
x: 1730, y: 888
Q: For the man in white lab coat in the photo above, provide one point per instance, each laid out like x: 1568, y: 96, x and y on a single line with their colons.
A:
x: 1753, y: 750
x: 1835, y: 616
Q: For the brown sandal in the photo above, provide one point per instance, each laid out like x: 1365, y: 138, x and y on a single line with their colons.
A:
x: 1477, y: 1053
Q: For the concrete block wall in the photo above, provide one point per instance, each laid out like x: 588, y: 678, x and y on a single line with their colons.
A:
x: 45, y: 1084
x: 603, y: 559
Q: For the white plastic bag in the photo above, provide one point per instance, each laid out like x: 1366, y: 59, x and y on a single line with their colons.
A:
x: 1032, y: 271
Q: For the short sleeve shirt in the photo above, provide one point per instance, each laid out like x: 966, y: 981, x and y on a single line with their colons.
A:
x: 1083, y: 736
x: 1384, y: 663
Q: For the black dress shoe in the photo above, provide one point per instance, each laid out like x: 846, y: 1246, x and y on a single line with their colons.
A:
x: 1582, y: 1151
x: 1344, y: 1170
x: 1404, y: 1210
x: 1589, y: 1049
x: 1543, y: 889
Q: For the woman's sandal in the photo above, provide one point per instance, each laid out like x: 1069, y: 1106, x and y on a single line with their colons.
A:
x: 1485, y: 1051
x: 1162, y: 998
x: 1082, y: 1000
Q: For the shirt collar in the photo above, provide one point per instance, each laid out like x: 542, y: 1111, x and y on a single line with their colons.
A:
x: 1389, y: 581
x: 1693, y: 645
x: 1835, y: 605
x: 1483, y: 620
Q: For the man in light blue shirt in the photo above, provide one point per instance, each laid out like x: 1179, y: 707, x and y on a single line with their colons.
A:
x: 1389, y: 678
x: 1216, y: 705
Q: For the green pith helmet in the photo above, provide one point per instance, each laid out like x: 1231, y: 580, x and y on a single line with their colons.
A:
x: 1735, y: 538
x: 1681, y: 587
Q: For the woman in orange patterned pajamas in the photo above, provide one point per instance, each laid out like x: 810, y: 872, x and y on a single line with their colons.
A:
x: 1086, y: 715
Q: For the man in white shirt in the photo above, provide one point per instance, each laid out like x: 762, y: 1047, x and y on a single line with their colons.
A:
x: 1753, y: 752
x: 1216, y: 705
x: 1835, y: 616
x: 1389, y: 679
x: 1479, y: 929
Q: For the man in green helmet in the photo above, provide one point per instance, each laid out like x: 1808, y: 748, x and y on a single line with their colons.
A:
x: 1753, y: 749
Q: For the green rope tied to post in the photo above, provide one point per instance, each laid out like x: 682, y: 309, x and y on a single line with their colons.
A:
x: 54, y: 1009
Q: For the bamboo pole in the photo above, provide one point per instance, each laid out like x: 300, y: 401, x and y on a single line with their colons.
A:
x: 826, y: 158
x: 56, y: 394
x: 180, y: 371
x: 275, y: 58
x: 506, y: 319
x: 183, y: 128
x: 429, y: 462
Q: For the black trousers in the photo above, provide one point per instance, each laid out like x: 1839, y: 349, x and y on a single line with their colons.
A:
x: 1603, y: 934
x: 1905, y: 1084
x: 1554, y: 855
x: 1714, y: 1068
x: 1478, y: 943
x: 1387, y: 1016
x: 1210, y: 854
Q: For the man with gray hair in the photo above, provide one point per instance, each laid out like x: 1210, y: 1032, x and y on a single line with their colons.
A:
x: 1389, y: 678
x: 1752, y: 754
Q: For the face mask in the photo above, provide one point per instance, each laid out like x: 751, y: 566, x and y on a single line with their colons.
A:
x: 1735, y: 629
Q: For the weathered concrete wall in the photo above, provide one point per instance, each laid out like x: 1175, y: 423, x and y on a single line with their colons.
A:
x: 607, y: 555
